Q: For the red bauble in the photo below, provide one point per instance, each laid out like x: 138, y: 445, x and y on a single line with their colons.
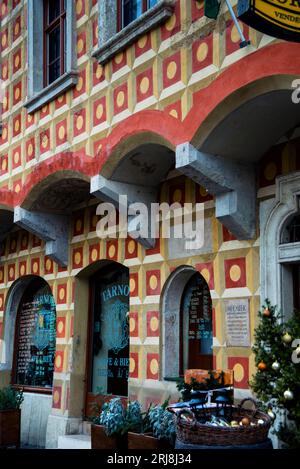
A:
x: 262, y: 366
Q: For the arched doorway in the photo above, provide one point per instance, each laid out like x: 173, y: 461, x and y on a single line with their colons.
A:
x: 107, y: 368
x: 35, y: 338
x: 29, y: 343
x: 187, y: 327
x: 280, y: 245
x: 196, y: 326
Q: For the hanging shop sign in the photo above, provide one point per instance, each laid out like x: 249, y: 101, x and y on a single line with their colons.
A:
x: 277, y: 18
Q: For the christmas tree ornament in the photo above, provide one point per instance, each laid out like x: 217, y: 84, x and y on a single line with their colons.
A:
x: 266, y: 313
x: 234, y: 423
x: 298, y: 351
x: 260, y: 422
x: 262, y: 366
x: 287, y: 338
x: 275, y: 366
x: 288, y: 395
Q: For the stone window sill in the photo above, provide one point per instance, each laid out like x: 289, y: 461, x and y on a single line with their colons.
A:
x: 59, y: 86
x: 152, y: 18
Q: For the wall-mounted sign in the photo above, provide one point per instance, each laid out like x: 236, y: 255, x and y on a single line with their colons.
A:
x: 237, y: 323
x: 277, y: 18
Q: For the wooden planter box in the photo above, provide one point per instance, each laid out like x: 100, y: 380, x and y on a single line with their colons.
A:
x: 101, y: 441
x: 142, y: 441
x: 10, y: 425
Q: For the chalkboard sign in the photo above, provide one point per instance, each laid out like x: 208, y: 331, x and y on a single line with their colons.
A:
x: 36, y: 336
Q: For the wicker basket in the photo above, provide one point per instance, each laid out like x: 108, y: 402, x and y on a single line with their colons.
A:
x: 194, y: 432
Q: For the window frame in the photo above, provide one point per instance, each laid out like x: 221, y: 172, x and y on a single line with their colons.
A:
x: 120, y: 13
x: 48, y: 28
x: 111, y: 40
x: 39, y: 94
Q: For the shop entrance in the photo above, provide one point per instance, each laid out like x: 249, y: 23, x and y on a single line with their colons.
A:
x: 196, y: 325
x: 108, y: 357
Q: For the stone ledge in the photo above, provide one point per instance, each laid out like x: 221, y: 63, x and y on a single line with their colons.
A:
x: 52, y: 91
x: 124, y: 38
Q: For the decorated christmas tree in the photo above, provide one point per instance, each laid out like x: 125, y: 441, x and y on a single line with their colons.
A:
x: 277, y: 381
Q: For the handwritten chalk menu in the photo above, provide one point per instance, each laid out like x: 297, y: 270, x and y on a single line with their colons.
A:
x: 36, y: 341
x: 237, y: 323
x: 197, y: 308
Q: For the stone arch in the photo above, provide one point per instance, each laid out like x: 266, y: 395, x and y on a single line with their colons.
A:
x: 237, y: 113
x: 6, y: 220
x: 170, y: 314
x: 45, y: 193
x: 276, y: 256
x: 13, y: 299
x: 127, y: 144
x: 36, y: 407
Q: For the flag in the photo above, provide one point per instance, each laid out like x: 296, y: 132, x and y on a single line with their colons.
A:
x: 211, y: 8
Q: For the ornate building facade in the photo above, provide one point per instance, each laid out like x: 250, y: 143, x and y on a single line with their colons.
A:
x: 162, y: 106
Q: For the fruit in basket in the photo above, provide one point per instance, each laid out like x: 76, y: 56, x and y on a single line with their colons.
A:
x: 245, y: 421
x: 234, y: 423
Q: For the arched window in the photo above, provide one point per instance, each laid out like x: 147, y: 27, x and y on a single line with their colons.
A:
x: 196, y: 325
x: 291, y: 269
x: 291, y: 232
x: 35, y: 337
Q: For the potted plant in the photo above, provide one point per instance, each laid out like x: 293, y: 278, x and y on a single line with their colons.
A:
x: 109, y: 428
x: 10, y: 416
x: 156, y: 428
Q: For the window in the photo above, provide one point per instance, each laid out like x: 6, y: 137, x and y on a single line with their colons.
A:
x: 35, y: 337
x: 291, y: 233
x: 54, y: 40
x: 122, y: 22
x: 129, y: 10
x: 52, y: 61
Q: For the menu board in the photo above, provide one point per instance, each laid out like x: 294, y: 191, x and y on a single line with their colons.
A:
x: 237, y: 323
x: 36, y: 341
x: 197, y: 308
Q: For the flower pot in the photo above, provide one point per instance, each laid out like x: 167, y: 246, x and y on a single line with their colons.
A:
x: 101, y: 441
x: 142, y: 441
x: 10, y: 425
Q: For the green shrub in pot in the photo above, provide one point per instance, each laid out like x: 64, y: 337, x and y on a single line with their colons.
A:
x: 10, y: 398
x: 112, y: 417
x: 162, y: 422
